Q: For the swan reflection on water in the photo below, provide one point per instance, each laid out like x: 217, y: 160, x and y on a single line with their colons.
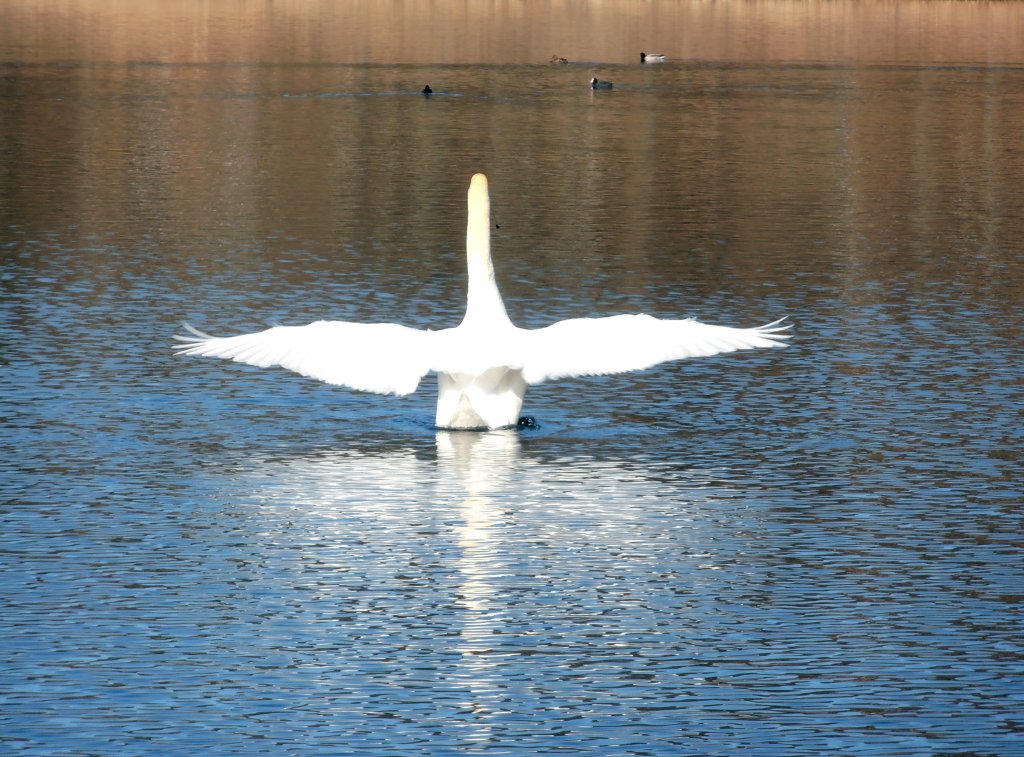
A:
x: 465, y: 559
x: 415, y: 482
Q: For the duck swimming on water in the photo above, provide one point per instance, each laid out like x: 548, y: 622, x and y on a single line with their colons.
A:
x: 652, y: 58
x: 596, y: 83
x: 484, y: 364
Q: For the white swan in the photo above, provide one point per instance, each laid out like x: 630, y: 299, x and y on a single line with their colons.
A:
x: 485, y: 363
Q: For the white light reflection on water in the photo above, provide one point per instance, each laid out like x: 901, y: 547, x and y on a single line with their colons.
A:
x: 484, y: 464
x: 493, y: 591
x: 529, y: 578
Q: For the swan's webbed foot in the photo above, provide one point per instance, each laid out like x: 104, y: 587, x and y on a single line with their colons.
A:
x: 527, y: 421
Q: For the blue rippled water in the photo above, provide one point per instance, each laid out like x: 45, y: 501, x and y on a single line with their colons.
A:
x: 814, y: 550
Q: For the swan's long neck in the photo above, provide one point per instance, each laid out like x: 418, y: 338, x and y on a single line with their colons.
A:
x: 483, y: 301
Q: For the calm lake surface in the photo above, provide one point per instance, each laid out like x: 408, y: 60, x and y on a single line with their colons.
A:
x: 808, y: 551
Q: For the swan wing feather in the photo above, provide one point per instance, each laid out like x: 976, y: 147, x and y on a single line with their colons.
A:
x: 620, y: 343
x: 385, y: 358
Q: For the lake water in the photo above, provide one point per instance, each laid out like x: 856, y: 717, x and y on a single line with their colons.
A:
x: 808, y: 551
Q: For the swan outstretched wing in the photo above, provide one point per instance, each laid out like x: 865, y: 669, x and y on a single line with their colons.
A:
x: 385, y: 358
x: 619, y: 343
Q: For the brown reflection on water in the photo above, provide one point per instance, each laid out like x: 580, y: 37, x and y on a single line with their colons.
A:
x: 905, y: 168
x: 429, y: 32
x: 716, y: 176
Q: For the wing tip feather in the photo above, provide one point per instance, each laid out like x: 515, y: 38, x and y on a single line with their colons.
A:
x: 194, y: 337
x: 773, y: 332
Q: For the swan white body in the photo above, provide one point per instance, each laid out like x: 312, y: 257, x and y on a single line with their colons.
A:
x: 484, y: 364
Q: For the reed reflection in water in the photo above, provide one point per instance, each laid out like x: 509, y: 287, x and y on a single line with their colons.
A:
x: 425, y: 33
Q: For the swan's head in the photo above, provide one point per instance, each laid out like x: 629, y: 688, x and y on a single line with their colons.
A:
x: 478, y: 186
